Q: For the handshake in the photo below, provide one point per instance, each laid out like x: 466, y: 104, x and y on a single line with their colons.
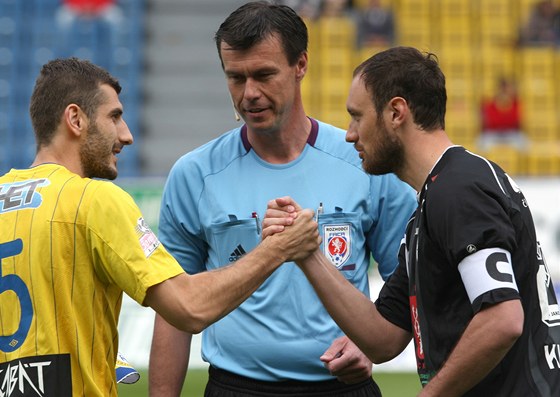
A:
x: 292, y: 228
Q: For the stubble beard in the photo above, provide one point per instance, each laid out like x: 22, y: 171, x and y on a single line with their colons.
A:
x: 389, y: 154
x: 94, y: 157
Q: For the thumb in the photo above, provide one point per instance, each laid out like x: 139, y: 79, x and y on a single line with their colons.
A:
x: 333, y: 351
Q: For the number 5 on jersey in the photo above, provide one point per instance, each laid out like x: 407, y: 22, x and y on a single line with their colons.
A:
x: 12, y: 282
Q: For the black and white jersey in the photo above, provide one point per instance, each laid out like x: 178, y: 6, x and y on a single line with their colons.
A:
x: 472, y: 243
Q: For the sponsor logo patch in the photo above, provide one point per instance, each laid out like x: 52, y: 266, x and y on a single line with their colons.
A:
x: 552, y: 356
x: 237, y: 253
x: 337, y: 243
x: 148, y: 240
x: 21, y: 195
x: 37, y: 376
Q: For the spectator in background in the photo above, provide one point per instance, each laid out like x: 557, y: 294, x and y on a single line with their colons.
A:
x: 376, y: 25
x: 307, y: 9
x: 501, y: 118
x: 337, y: 8
x: 541, y: 27
x: 70, y: 10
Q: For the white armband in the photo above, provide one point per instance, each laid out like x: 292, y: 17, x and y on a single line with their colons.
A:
x: 486, y: 270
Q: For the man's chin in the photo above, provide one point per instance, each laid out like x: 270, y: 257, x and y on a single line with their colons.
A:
x: 374, y: 169
x: 108, y: 173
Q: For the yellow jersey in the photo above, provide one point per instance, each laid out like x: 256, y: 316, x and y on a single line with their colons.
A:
x: 69, y: 247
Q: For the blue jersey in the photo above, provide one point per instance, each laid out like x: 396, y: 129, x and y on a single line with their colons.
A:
x: 210, y: 217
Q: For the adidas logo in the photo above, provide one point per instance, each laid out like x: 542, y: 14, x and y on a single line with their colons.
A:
x: 237, y: 253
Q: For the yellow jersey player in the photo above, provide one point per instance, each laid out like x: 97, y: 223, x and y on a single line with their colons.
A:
x: 70, y: 245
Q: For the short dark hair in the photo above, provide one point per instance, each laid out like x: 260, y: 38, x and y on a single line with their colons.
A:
x: 60, y: 83
x: 255, y: 21
x: 408, y: 73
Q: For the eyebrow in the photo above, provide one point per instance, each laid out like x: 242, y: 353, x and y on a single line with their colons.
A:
x: 116, y: 112
x: 261, y: 70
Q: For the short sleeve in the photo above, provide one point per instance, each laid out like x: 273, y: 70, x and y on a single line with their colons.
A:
x: 179, y: 226
x: 467, y: 216
x: 124, y: 249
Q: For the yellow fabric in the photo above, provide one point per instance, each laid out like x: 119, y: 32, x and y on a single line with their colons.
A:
x: 83, y: 242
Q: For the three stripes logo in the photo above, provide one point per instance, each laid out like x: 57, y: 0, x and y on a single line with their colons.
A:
x: 237, y: 253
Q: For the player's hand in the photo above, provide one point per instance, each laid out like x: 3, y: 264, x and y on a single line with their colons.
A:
x: 300, y: 239
x: 344, y: 360
x: 280, y: 213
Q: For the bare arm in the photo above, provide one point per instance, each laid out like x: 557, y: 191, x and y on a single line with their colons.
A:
x: 169, y: 359
x: 485, y: 342
x: 354, y: 313
x: 192, y: 302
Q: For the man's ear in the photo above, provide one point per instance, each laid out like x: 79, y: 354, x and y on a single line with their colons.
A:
x: 399, y: 111
x: 301, y: 66
x: 75, y: 119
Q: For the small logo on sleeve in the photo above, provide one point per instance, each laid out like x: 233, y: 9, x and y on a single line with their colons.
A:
x: 148, y: 240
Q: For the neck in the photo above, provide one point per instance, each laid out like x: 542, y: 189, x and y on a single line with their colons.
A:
x: 49, y: 155
x: 284, y: 144
x: 422, y: 155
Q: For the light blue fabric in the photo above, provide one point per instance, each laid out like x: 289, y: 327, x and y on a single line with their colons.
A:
x: 206, y: 222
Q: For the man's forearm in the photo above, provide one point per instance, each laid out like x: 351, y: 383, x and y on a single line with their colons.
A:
x: 193, y: 302
x: 489, y: 336
x: 354, y: 312
x: 169, y: 359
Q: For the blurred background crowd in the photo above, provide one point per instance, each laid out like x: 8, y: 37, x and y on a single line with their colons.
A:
x: 500, y: 58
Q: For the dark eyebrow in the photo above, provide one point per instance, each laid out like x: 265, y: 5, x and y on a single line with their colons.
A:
x: 117, y: 112
x: 259, y: 72
x: 351, y: 111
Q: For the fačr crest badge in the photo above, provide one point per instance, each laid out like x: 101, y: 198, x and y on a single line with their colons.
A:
x: 336, y: 243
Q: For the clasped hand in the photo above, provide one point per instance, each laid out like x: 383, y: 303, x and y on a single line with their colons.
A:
x: 285, y: 216
x: 294, y: 226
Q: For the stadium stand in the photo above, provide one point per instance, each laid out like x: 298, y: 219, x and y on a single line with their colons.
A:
x: 31, y: 34
x: 477, y: 41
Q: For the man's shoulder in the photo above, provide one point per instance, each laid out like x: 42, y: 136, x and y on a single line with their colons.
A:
x: 104, y: 192
x: 212, y: 155
x: 338, y: 133
x: 465, y: 177
x: 332, y: 140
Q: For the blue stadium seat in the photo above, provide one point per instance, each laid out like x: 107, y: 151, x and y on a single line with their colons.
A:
x: 31, y: 35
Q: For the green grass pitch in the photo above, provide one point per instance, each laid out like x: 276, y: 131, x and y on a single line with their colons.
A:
x: 392, y: 384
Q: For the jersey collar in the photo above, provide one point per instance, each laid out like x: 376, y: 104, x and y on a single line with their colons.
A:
x: 311, y: 139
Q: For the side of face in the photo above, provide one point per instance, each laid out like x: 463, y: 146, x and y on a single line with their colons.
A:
x: 262, y: 84
x: 377, y: 144
x: 107, y: 133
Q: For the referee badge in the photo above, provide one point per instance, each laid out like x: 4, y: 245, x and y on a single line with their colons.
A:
x: 337, y: 243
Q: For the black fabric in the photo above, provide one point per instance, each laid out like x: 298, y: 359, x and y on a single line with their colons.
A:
x: 468, y: 204
x: 226, y: 384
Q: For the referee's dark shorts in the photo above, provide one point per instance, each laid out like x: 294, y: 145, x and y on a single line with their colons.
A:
x: 225, y: 384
